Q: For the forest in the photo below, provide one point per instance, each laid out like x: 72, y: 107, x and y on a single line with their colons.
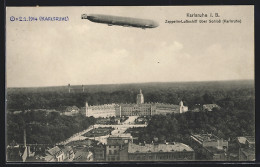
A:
x: 224, y: 93
x: 44, y: 127
x: 226, y: 124
x: 235, y: 118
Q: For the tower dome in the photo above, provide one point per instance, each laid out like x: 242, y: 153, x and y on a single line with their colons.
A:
x: 181, y: 103
x: 140, y: 98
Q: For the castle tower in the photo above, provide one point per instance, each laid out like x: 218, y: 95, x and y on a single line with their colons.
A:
x: 83, y: 89
x: 181, y: 103
x: 181, y: 106
x: 86, y: 109
x: 140, y: 98
x: 69, y: 87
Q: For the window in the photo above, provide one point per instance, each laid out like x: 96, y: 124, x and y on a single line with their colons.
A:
x: 110, y: 152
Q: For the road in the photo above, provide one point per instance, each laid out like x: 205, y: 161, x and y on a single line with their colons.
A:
x: 130, y: 120
x: 77, y: 136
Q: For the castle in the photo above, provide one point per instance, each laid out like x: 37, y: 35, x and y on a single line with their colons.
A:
x: 138, y: 109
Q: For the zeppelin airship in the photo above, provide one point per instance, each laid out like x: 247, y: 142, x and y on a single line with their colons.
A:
x: 120, y: 21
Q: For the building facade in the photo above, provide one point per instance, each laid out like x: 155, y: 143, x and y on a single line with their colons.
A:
x: 115, y: 146
x: 83, y: 155
x: 59, y: 154
x: 106, y: 110
x: 138, y: 109
x: 99, y: 152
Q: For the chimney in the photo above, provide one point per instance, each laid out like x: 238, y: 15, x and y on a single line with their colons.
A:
x: 82, y: 88
x: 69, y: 87
x: 24, y: 137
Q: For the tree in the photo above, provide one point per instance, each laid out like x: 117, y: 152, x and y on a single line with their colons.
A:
x: 208, y: 99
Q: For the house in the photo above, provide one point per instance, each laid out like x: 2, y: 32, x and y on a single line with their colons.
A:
x: 68, y: 153
x: 54, y: 154
x: 209, y: 147
x: 71, y: 110
x: 59, y: 154
x: 18, y: 153
x: 83, y: 155
x: 209, y: 107
x: 160, y: 152
x: 14, y: 154
x: 115, y: 143
x: 246, y: 148
x: 99, y: 152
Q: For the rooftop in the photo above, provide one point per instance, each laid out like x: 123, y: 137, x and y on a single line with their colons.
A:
x: 214, y: 150
x: 248, y: 151
x: 82, y: 154
x: 251, y: 139
x: 119, y: 139
x: 243, y: 139
x: 210, y: 105
x: 205, y: 137
x: 177, y: 147
x: 55, y: 150
x: 66, y: 149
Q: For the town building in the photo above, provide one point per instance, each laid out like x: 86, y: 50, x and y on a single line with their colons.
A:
x: 209, y: 147
x: 71, y: 111
x: 138, y: 109
x: 115, y: 145
x: 106, y: 110
x: 54, y: 154
x: 59, y: 154
x: 160, y: 152
x: 83, y: 155
x: 99, y: 152
x: 68, y: 153
x: 209, y: 107
x: 18, y: 153
x: 246, y: 148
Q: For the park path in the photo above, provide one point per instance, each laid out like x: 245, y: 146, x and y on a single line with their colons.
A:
x: 118, y: 129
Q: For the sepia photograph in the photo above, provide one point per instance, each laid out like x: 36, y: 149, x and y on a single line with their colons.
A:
x: 130, y: 84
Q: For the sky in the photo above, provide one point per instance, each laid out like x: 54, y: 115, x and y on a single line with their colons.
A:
x: 83, y: 52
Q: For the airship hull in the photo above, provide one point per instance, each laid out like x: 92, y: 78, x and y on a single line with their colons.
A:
x: 121, y: 21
